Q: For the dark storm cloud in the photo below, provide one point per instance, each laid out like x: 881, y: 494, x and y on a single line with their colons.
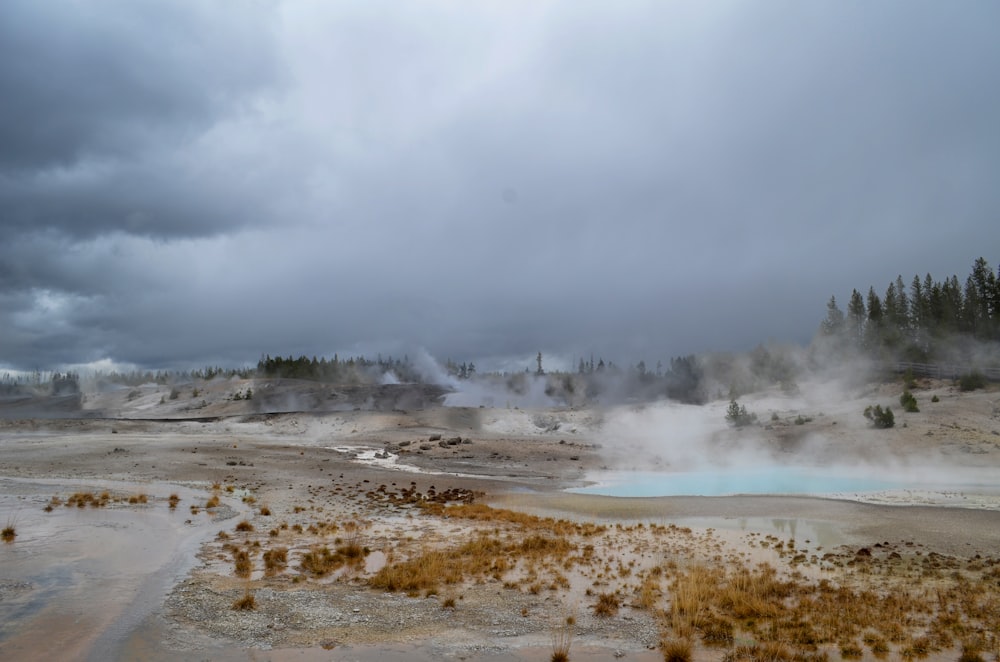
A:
x: 186, y: 183
x: 98, y: 99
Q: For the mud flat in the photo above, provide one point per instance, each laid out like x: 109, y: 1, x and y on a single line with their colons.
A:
x: 447, y: 533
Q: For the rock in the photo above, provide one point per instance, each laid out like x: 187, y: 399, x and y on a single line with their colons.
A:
x: 434, y: 437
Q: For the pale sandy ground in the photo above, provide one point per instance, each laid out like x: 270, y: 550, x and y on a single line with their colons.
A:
x: 144, y: 582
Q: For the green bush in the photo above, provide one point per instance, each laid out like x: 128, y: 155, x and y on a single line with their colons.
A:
x: 738, y: 416
x: 971, y: 381
x: 880, y: 418
x: 908, y: 402
x: 935, y: 399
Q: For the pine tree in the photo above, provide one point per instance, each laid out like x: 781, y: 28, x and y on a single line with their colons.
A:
x: 873, y: 329
x: 833, y: 325
x: 856, y: 317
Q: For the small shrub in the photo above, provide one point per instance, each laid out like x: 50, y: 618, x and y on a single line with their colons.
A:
x: 244, y: 526
x: 738, y: 416
x: 173, y: 500
x: 935, y: 399
x: 971, y: 381
x: 9, y: 533
x: 908, y: 402
x: 880, y: 418
x: 448, y: 603
x: 213, y: 501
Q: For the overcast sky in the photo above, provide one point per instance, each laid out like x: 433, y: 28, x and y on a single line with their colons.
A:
x: 191, y: 183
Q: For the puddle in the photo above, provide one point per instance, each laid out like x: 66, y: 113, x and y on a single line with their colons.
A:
x: 76, y: 581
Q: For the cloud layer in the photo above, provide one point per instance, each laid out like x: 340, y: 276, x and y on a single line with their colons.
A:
x: 181, y: 183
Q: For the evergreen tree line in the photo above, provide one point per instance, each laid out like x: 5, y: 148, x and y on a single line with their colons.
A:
x: 918, y: 322
x: 354, y: 370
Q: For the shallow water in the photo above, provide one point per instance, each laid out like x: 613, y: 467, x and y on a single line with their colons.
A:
x: 76, y: 581
x: 784, y: 480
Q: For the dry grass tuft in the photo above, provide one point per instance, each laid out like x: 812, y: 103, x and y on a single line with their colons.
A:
x: 173, y: 500
x: 243, y: 564
x: 9, y: 533
x: 84, y: 499
x: 247, y: 603
x: 676, y: 650
x: 244, y: 526
x: 770, y: 652
x: 562, y: 639
x: 275, y: 560
x: 213, y: 501
x: 607, y: 605
x: 320, y: 561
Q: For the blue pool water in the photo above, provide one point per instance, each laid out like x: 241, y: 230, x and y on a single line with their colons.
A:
x: 723, y: 482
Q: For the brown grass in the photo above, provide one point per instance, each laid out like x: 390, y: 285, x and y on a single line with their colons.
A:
x: 244, y: 526
x: 275, y: 560
x: 320, y: 561
x: 607, y: 604
x: 213, y: 501
x: 84, y: 499
x: 9, y: 533
x: 247, y: 603
x: 676, y: 650
x: 562, y: 639
x: 173, y: 500
x: 243, y: 564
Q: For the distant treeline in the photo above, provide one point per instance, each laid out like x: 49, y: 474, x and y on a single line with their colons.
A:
x: 355, y: 370
x: 922, y: 322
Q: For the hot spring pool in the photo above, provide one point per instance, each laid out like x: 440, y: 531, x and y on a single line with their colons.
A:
x: 732, y: 481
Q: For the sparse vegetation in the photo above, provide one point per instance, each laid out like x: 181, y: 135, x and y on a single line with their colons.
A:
x: 607, y: 604
x: 244, y: 526
x: 971, y: 381
x: 908, y: 402
x: 676, y: 650
x: 738, y: 416
x: 246, y: 603
x: 173, y: 500
x: 9, y: 532
x: 562, y: 641
x: 243, y: 564
x: 275, y: 560
x: 880, y: 418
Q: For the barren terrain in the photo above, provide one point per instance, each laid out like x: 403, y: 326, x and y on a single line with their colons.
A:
x: 377, y: 524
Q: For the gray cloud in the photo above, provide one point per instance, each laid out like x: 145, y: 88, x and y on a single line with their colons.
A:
x: 184, y: 183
